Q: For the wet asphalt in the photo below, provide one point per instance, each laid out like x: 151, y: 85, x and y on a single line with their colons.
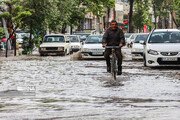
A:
x: 58, y: 87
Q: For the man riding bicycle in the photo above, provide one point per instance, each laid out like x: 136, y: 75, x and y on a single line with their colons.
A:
x: 113, y: 37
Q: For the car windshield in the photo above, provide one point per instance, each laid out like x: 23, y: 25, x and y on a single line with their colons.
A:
x: 54, y: 39
x: 141, y: 37
x: 165, y: 37
x: 73, y: 38
x: 22, y: 35
x: 83, y: 37
x: 94, y: 39
x: 127, y: 35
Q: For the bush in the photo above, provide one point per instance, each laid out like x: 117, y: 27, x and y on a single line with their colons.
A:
x: 28, y: 45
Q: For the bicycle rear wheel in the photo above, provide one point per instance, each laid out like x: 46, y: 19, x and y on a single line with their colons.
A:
x: 113, y: 67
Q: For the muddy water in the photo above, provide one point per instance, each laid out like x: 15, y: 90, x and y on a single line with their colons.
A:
x: 60, y: 88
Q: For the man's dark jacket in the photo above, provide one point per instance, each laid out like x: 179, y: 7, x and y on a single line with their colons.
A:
x: 113, y: 37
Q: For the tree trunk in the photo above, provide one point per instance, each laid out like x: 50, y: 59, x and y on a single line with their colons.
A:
x: 130, y: 17
x: 15, y: 44
x: 174, y: 20
x: 63, y: 31
x: 7, y: 47
x: 154, y: 15
x: 71, y: 31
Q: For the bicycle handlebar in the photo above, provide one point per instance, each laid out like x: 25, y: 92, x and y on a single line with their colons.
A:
x: 112, y: 47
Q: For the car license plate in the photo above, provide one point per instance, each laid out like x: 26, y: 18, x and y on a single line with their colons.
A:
x: 51, y: 53
x: 169, y: 59
x: 97, y: 53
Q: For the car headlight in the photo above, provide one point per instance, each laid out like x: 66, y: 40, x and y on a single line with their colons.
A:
x: 41, y: 48
x: 137, y: 50
x: 152, y: 52
x: 61, y: 48
x: 133, y: 49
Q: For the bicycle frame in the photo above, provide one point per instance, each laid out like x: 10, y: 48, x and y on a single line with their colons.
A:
x: 113, y: 61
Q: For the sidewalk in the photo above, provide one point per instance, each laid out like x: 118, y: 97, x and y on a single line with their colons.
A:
x: 10, y: 53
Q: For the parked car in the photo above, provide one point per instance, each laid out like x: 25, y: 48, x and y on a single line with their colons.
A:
x: 83, y: 36
x: 20, y: 37
x: 127, y: 36
x: 92, y: 47
x: 55, y: 44
x: 130, y: 40
x: 162, y: 48
x: 75, y: 43
x: 137, y: 48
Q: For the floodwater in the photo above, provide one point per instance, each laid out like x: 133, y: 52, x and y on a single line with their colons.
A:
x: 57, y: 87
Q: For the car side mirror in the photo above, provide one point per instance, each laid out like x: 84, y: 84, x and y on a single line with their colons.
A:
x: 142, y: 42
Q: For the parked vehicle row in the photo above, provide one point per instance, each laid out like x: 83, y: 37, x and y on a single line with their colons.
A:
x: 158, y: 48
x: 59, y: 44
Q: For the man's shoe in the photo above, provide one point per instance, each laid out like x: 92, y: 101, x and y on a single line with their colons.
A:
x: 108, y: 69
x: 119, y: 72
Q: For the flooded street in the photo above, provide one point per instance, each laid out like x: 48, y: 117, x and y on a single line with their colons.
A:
x: 57, y: 87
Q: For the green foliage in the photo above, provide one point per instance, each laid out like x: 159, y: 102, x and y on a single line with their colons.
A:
x: 9, y: 2
x: 6, y: 15
x: 27, y: 45
x: 165, y: 7
x: 97, y: 6
x: 2, y: 32
x: 141, y: 15
x: 175, y: 7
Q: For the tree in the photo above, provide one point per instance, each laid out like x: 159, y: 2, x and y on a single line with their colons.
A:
x: 131, y: 2
x: 173, y: 7
x: 141, y: 15
x: 97, y: 6
x: 14, y: 16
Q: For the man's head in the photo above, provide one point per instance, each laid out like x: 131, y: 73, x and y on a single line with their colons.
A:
x: 113, y: 25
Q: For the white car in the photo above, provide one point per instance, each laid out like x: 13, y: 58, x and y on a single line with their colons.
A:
x: 131, y: 40
x: 127, y: 36
x: 92, y: 47
x: 137, y: 48
x: 20, y: 36
x: 55, y: 44
x: 76, y: 44
x: 162, y: 48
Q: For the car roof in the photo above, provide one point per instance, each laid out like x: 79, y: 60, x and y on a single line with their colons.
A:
x: 166, y: 30
x: 55, y: 35
x: 81, y: 33
x: 128, y: 33
x: 94, y: 35
x: 71, y: 35
x: 142, y: 33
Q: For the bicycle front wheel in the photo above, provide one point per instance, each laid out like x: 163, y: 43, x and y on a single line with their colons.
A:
x: 113, y: 67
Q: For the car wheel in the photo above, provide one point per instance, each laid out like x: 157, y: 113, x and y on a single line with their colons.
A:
x: 144, y: 59
x: 65, y: 53
x: 71, y: 52
x: 41, y: 54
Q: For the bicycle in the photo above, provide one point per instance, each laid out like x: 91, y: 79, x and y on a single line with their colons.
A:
x: 113, y: 61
